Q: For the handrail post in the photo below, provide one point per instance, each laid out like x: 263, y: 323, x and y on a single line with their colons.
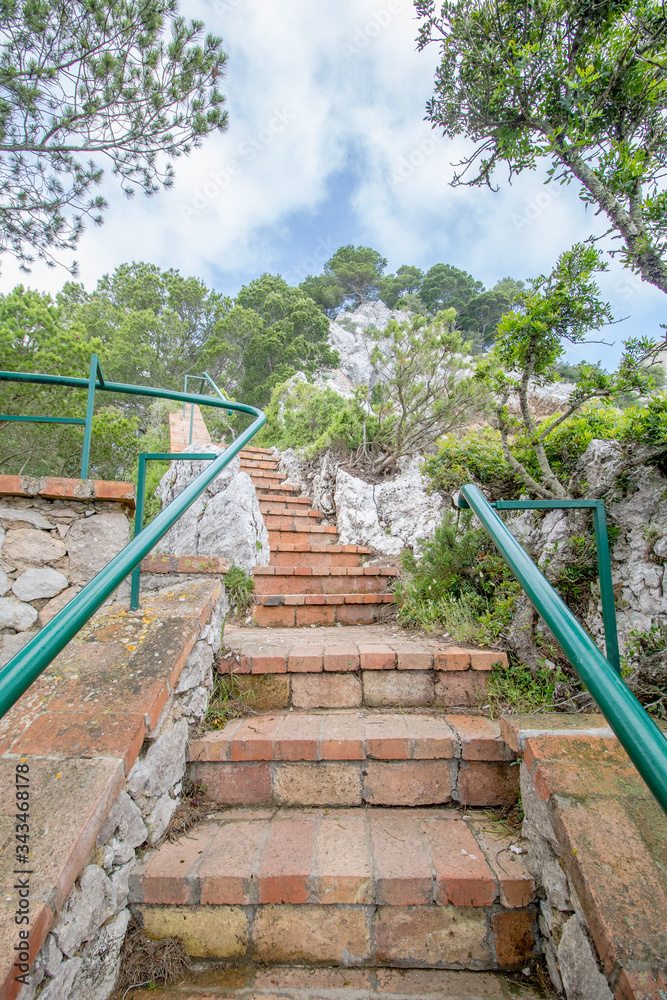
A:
x: 87, y: 434
x: 606, y: 586
x: 138, y: 525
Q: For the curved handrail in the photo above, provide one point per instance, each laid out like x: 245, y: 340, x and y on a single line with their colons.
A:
x: 17, y: 675
x: 637, y: 733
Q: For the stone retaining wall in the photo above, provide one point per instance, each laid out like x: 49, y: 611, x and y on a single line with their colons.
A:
x: 55, y: 535
x: 81, y: 955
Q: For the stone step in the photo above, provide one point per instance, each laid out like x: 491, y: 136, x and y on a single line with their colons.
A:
x: 250, y: 451
x: 273, y: 486
x: 296, y: 982
x: 334, y: 580
x: 356, y: 758
x: 287, y: 503
x: 345, y: 667
x: 311, y: 533
x: 294, y: 610
x: 288, y: 520
x: 257, y: 463
x: 386, y: 887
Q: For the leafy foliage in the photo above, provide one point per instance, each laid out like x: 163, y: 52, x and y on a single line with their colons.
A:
x: 518, y: 688
x: 582, y: 84
x: 228, y: 701
x: 239, y: 587
x: 86, y: 81
x: 563, y: 305
x: 458, y: 585
x: 302, y: 416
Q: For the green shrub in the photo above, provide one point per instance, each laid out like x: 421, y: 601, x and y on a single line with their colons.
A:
x: 228, y: 701
x: 459, y: 585
x: 240, y: 588
x: 519, y: 688
x: 475, y: 457
x: 304, y: 417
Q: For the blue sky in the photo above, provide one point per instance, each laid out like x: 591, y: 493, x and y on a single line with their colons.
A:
x: 327, y: 146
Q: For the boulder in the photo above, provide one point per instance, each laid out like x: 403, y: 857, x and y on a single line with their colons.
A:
x: 163, y: 765
x: 25, y: 547
x: 93, y: 541
x: 36, y: 583
x: 86, y: 908
x: 224, y: 521
x: 11, y: 517
x: 197, y: 669
x: 100, y: 961
x: 4, y: 583
x: 14, y: 614
x: 56, y: 604
x: 389, y: 516
x: 598, y: 467
x: 578, y: 965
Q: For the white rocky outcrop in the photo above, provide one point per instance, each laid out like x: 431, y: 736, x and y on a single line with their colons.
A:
x: 225, y: 521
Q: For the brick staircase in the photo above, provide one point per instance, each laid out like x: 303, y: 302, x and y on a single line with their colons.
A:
x: 311, y: 579
x: 348, y: 820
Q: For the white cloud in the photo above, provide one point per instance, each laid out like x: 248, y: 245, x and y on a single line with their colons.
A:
x: 317, y: 91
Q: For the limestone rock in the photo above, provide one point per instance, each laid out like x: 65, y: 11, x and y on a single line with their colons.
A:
x: 100, y: 961
x: 4, y: 583
x: 163, y: 765
x: 195, y: 702
x: 124, y: 828
x: 212, y: 631
x: 24, y: 547
x: 197, y: 668
x: 225, y: 521
x: 120, y: 879
x: 11, y: 517
x: 37, y: 583
x: 14, y: 614
x: 61, y: 986
x: 160, y: 818
x: 346, y: 337
x: 56, y: 604
x: 86, y: 909
x: 578, y: 967
x: 390, y: 516
x: 93, y: 541
x: 599, y: 466
x: 11, y: 644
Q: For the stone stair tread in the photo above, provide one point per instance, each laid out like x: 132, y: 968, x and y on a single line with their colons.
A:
x: 326, y: 571
x: 329, y: 549
x: 353, y: 647
x: 267, y: 498
x: 294, y: 600
x: 295, y: 982
x: 353, y: 735
x: 390, y: 857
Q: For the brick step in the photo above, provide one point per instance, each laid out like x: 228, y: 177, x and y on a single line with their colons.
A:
x: 272, y: 486
x: 356, y: 758
x: 286, y: 510
x: 287, y: 520
x: 296, y: 982
x: 387, y: 887
x: 286, y: 503
x: 250, y: 451
x: 272, y: 475
x: 344, y: 667
x: 294, y: 610
x: 334, y: 580
x: 312, y: 533
x: 255, y: 463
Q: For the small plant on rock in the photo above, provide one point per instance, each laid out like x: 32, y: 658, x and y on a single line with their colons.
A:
x: 240, y: 588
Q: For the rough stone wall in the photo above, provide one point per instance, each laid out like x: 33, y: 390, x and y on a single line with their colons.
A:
x: 224, y: 521
x: 81, y: 956
x: 388, y: 516
x: 569, y: 952
x: 48, y: 550
x: 637, y: 511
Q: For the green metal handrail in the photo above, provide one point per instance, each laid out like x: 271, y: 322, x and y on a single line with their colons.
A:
x: 17, y: 675
x: 637, y: 733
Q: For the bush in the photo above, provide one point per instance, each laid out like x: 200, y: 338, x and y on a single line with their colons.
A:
x: 240, y: 588
x: 304, y: 417
x: 459, y: 585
